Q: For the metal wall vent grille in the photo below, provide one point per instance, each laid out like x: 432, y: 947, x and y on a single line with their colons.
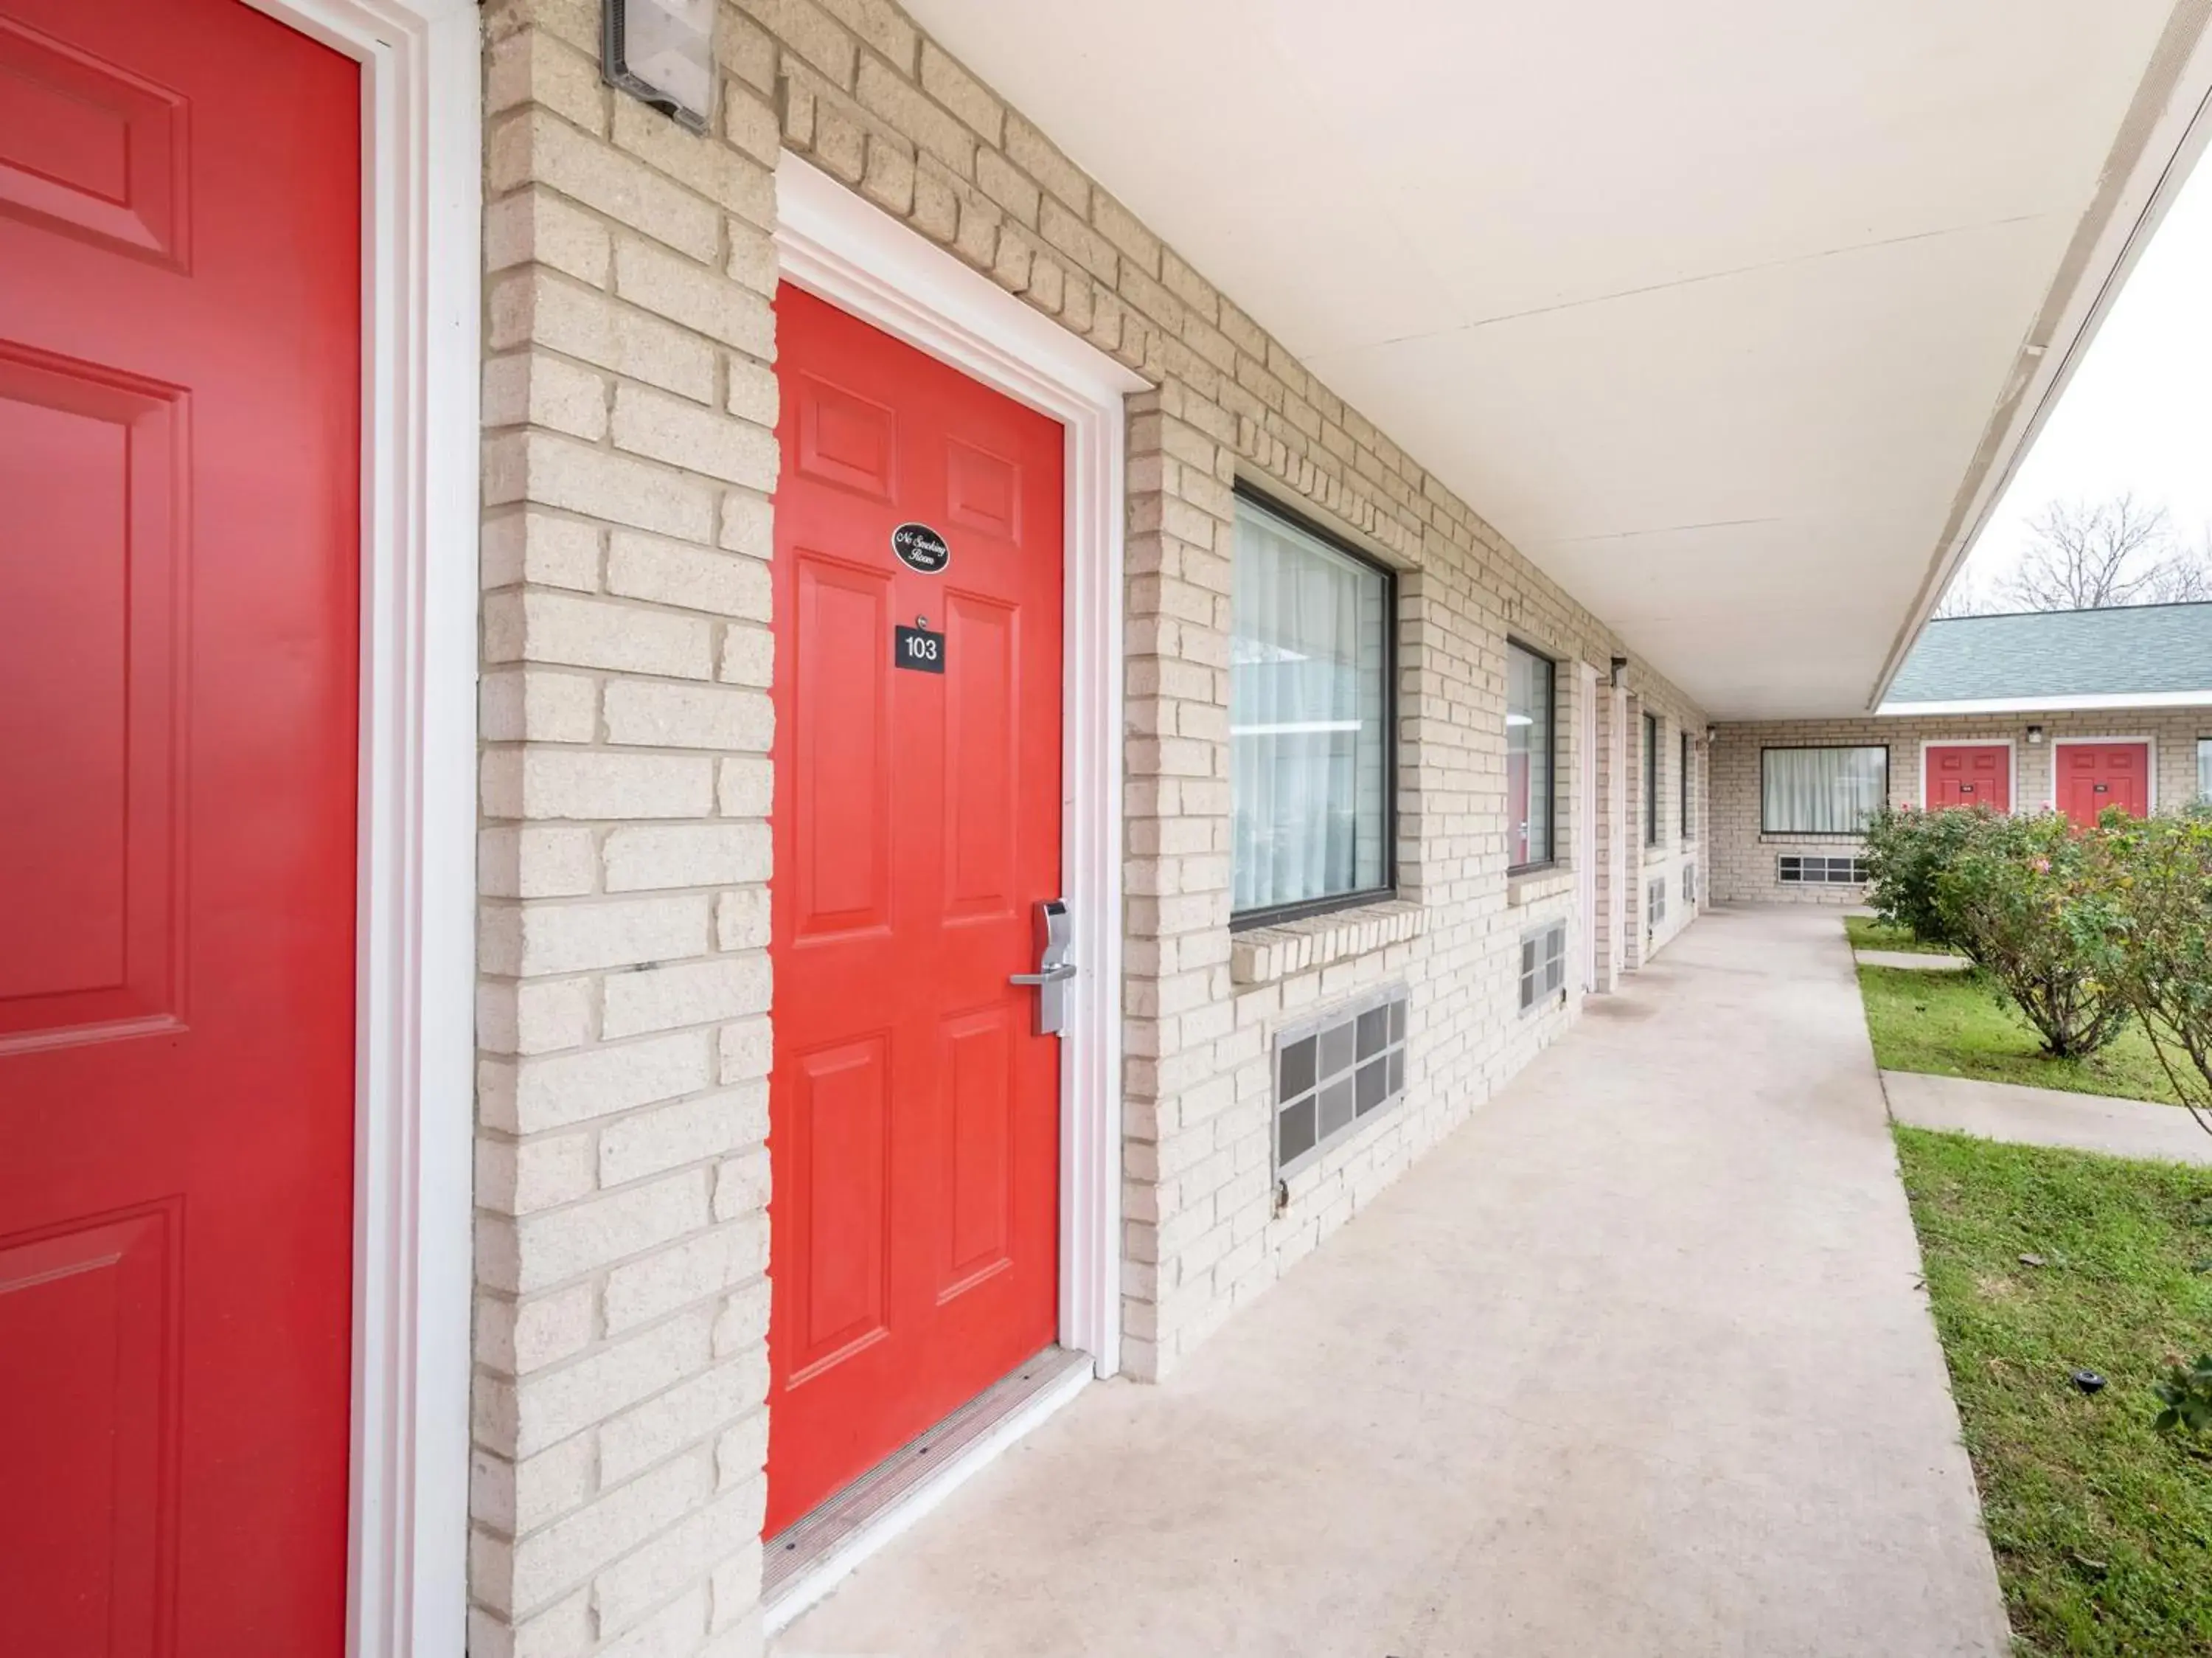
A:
x: 1543, y: 964
x: 1335, y: 1072
x: 1806, y: 869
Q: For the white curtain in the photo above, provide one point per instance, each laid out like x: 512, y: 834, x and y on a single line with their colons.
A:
x: 1820, y: 791
x: 1306, y: 735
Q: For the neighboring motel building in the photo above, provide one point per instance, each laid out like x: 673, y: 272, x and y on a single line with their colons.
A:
x: 689, y: 798
x: 2079, y: 712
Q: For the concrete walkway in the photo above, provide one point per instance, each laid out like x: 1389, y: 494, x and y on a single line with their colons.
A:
x: 2046, y: 1116
x: 1634, y: 1363
x: 1913, y: 961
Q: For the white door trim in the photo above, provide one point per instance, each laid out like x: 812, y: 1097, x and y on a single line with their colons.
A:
x: 840, y: 248
x: 2012, y: 764
x: 421, y: 143
x: 2150, y: 764
x: 1585, y: 814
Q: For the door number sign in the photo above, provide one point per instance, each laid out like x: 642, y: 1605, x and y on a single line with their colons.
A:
x: 920, y: 548
x: 917, y: 648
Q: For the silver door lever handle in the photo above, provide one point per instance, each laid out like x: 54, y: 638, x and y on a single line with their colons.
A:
x: 1049, y: 976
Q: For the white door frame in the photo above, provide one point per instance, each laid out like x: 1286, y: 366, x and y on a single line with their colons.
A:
x: 2149, y: 746
x: 2012, y: 764
x: 422, y: 141
x: 1585, y: 810
x: 844, y: 249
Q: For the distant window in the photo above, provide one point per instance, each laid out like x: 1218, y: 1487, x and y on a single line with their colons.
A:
x: 2205, y: 769
x: 1806, y: 869
x: 1820, y: 791
x: 1531, y: 686
x: 1651, y: 780
x: 1689, y: 810
x: 1309, y: 764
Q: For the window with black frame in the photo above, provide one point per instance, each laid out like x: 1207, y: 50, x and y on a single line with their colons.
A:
x: 1689, y: 802
x: 1531, y: 727
x: 1651, y: 780
x: 1309, y: 720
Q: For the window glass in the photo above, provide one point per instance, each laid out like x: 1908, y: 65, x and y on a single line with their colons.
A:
x: 1651, y: 780
x: 1689, y: 812
x: 1531, y: 684
x: 1309, y: 718
x: 2205, y: 769
x: 1820, y: 791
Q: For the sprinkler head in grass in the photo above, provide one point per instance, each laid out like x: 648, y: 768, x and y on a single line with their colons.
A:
x: 2089, y: 1381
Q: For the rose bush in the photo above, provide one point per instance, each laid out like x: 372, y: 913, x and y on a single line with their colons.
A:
x: 2016, y: 898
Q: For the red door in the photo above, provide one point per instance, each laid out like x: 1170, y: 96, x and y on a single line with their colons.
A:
x: 1970, y: 774
x: 180, y: 389
x: 914, y: 1113
x: 2093, y: 777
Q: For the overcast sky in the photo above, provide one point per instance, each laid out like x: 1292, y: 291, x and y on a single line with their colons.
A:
x: 2138, y: 415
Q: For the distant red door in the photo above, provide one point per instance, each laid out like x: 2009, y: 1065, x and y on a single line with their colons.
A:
x: 2094, y: 777
x: 179, y: 395
x: 1970, y: 774
x: 914, y: 1113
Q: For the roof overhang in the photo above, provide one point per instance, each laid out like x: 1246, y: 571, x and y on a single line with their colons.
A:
x: 1734, y: 319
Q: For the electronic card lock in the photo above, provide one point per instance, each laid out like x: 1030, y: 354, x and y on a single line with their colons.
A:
x: 1055, y: 937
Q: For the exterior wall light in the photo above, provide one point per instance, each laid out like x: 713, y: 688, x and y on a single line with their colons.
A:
x: 2035, y: 733
x: 662, y: 52
x: 1619, y: 672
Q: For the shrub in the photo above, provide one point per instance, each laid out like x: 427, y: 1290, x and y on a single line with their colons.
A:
x: 1907, y: 850
x: 2017, y: 897
x: 2146, y: 923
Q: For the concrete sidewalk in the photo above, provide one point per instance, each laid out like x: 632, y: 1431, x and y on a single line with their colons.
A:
x: 1635, y: 1363
x: 2046, y: 1116
x: 1913, y: 961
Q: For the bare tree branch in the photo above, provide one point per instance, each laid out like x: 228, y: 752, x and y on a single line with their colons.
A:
x: 2092, y: 555
x: 1965, y: 597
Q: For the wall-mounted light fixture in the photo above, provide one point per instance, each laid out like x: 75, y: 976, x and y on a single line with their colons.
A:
x: 662, y: 52
x: 1712, y: 734
x: 2035, y: 733
x: 1619, y: 672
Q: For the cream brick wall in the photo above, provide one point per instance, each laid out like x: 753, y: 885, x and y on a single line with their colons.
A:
x: 1745, y: 856
x: 630, y: 461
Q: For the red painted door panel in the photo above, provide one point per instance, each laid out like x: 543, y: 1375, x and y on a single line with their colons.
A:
x: 2095, y: 776
x: 914, y: 1113
x: 180, y: 452
x: 1970, y: 774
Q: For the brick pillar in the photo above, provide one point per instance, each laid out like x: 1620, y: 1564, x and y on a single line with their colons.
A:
x: 1632, y: 839
x: 1176, y: 1008
x: 629, y: 408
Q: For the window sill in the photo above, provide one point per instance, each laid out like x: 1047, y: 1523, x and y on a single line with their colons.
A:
x: 1808, y: 838
x: 1264, y: 955
x: 1535, y: 886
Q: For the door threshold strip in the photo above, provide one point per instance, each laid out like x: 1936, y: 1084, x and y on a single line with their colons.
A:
x: 812, y: 1555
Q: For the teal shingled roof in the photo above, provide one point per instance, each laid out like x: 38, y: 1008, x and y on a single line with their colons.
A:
x: 2045, y: 656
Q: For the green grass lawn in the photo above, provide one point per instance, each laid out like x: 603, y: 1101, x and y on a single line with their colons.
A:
x: 2102, y: 1527
x: 1867, y: 934
x: 1952, y: 1025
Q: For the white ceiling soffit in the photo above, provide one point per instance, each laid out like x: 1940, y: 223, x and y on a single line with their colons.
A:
x: 1725, y: 313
